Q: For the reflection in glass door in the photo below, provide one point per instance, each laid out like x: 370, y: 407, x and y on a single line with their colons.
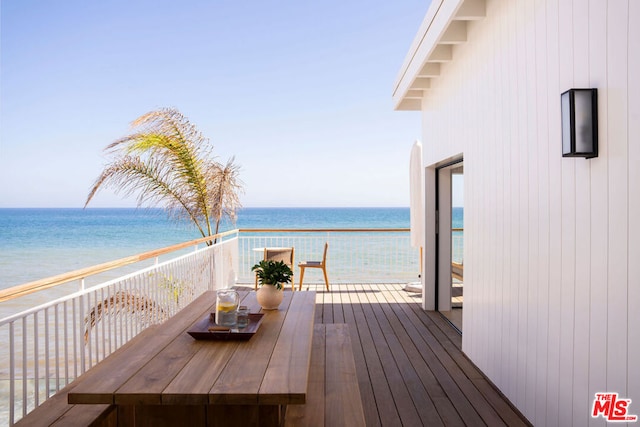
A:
x: 450, y: 213
x: 457, y: 245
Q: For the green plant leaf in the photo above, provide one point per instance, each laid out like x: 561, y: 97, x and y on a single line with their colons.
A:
x: 272, y: 273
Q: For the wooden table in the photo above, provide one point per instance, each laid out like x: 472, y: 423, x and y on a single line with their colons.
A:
x: 165, y: 377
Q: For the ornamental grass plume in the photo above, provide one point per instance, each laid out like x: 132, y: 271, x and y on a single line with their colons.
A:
x: 168, y: 163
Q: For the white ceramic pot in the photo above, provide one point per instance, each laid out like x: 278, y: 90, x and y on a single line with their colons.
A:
x: 269, y: 297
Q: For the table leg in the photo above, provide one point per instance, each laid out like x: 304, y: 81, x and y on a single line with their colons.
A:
x: 200, y: 415
x: 244, y: 415
x: 161, y: 415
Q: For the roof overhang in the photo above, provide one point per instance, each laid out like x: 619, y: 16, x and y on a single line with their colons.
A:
x: 444, y: 26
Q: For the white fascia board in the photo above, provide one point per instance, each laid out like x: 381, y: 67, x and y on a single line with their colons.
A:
x: 436, y: 22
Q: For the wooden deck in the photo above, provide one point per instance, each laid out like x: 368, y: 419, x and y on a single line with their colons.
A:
x: 411, y: 370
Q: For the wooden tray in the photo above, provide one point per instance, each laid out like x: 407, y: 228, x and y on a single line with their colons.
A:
x: 200, y: 330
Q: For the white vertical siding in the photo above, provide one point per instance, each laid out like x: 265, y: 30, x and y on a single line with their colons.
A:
x: 530, y: 205
x: 544, y: 186
x: 568, y: 226
x: 580, y: 385
x: 551, y: 415
x: 552, y: 245
x: 618, y: 192
x: 633, y: 140
x: 598, y: 307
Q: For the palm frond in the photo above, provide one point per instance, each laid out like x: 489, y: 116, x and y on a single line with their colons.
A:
x: 167, y: 161
x: 151, y: 182
x: 227, y: 187
x: 122, y: 301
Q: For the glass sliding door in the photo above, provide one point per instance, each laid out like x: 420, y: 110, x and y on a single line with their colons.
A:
x: 450, y: 247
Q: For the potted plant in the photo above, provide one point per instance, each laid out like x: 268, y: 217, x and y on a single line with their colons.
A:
x: 272, y: 276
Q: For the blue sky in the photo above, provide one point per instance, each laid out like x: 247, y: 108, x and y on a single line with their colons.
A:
x: 299, y: 92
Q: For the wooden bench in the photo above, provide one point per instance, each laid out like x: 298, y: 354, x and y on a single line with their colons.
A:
x: 333, y: 395
x: 55, y: 411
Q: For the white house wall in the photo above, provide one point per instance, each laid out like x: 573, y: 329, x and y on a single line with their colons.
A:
x: 552, y: 245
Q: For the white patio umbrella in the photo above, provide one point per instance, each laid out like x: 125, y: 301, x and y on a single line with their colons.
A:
x: 416, y: 206
x: 416, y: 202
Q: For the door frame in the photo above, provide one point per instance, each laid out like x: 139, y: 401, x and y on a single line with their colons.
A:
x: 436, y: 294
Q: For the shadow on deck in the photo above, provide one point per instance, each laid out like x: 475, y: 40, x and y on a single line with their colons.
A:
x: 411, y: 370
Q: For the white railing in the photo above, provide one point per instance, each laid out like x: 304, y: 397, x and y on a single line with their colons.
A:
x: 457, y: 245
x: 355, y: 255
x: 47, y: 346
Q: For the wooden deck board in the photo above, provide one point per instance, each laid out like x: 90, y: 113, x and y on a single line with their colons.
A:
x: 411, y: 370
x: 399, y: 391
x: 366, y: 390
x: 319, y: 307
x: 438, y: 405
x: 425, y: 345
x: 384, y: 404
x: 400, y: 345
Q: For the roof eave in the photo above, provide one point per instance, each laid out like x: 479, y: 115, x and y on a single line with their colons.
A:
x: 444, y: 25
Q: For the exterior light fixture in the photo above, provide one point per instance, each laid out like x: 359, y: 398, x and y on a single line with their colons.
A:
x: 579, y: 123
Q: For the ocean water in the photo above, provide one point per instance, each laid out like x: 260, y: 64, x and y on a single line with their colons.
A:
x: 39, y: 243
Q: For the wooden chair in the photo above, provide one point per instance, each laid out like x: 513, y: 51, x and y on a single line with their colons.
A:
x: 279, y: 254
x: 457, y: 270
x: 316, y: 264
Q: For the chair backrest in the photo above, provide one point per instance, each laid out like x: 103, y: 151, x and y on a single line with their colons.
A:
x: 280, y: 254
x: 324, y: 256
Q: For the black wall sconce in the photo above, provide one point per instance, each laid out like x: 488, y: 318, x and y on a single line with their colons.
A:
x: 580, y: 123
